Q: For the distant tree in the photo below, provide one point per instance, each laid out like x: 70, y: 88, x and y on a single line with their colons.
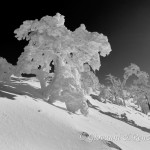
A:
x: 105, y: 93
x: 141, y: 96
x: 140, y: 90
x: 6, y: 70
x: 116, y: 89
x: 142, y: 78
x: 133, y: 69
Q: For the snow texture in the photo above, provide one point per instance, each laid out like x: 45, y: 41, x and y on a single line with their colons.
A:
x: 29, y: 123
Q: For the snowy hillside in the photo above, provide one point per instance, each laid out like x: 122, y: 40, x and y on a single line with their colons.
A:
x: 28, y: 123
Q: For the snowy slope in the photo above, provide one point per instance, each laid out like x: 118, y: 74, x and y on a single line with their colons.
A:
x: 125, y: 135
x: 28, y: 123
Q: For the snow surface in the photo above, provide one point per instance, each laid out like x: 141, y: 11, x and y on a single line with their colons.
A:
x: 29, y: 124
x: 26, y: 124
x: 21, y: 80
x: 136, y: 116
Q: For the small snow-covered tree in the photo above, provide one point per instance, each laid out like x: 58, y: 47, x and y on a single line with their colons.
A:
x: 133, y: 69
x: 6, y: 70
x: 116, y: 89
x: 140, y: 89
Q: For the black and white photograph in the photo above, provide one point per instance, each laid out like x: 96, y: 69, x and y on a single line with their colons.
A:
x: 75, y: 75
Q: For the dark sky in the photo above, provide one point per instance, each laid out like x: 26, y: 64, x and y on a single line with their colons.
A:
x: 126, y: 23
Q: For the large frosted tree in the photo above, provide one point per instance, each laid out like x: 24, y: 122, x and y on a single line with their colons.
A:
x: 74, y: 55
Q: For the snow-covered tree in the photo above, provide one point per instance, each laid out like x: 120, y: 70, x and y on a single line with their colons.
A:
x: 50, y: 42
x: 140, y: 89
x: 6, y: 70
x: 133, y: 69
x: 116, y: 89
